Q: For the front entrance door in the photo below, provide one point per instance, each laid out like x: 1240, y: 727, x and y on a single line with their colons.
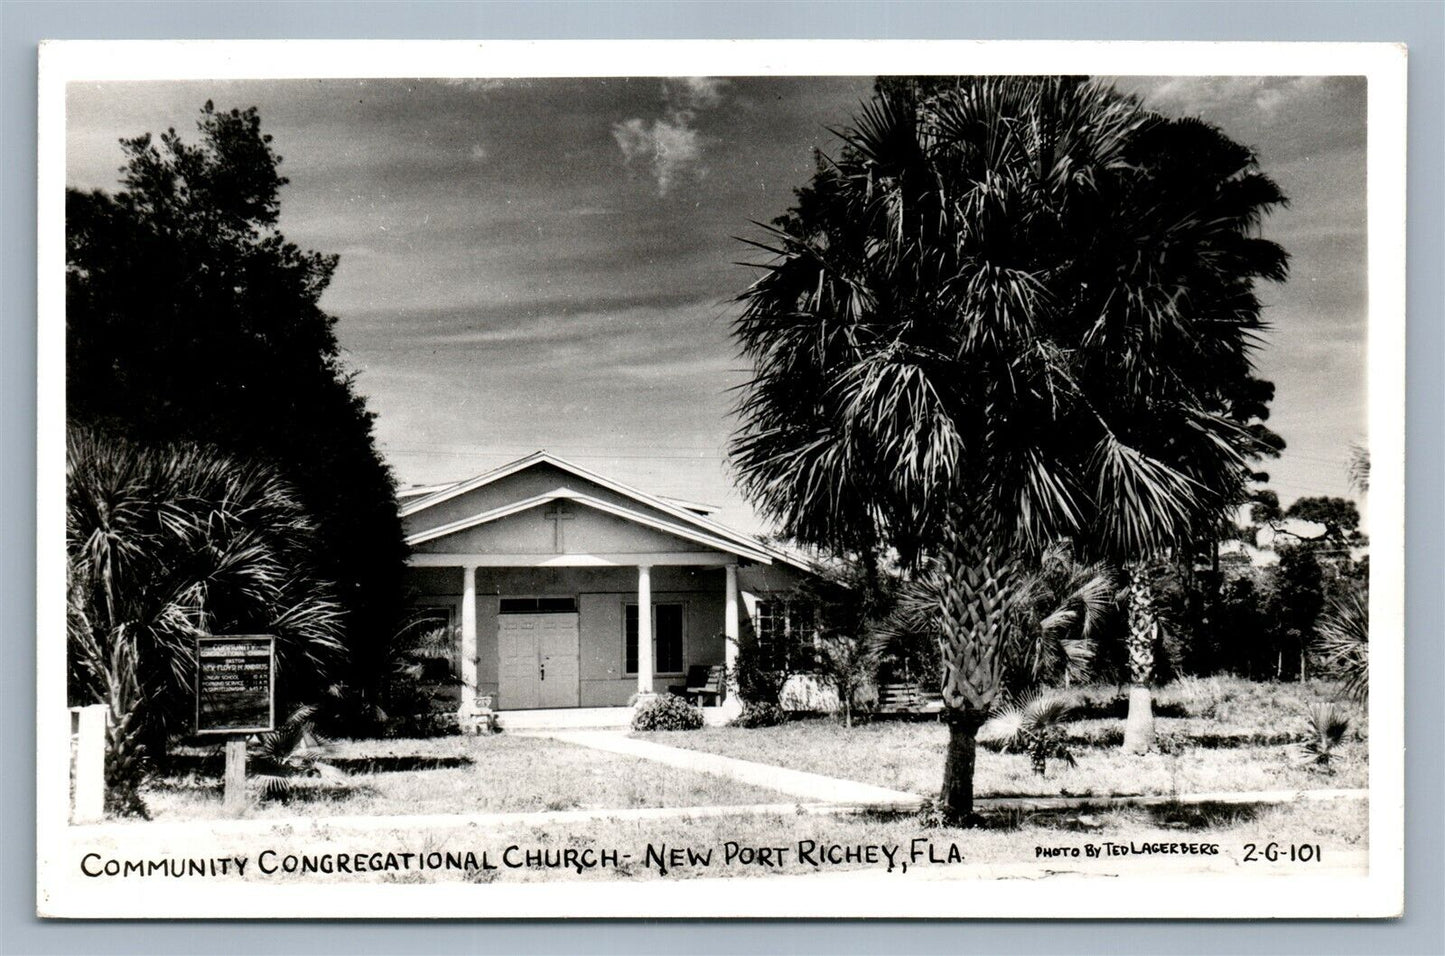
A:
x: 539, y: 661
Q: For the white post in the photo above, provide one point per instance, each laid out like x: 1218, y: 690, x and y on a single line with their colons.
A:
x: 644, y: 629
x: 731, y: 704
x: 469, y: 636
x: 90, y: 763
x: 234, y: 794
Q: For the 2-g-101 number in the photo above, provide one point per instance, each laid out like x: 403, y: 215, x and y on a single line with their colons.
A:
x: 1274, y: 853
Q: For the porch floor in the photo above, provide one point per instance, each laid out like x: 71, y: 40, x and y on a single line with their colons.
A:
x: 587, y: 718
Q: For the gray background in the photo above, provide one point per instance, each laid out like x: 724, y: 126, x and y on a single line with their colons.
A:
x: 1421, y: 25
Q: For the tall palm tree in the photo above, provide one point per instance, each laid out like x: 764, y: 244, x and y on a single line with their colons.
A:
x: 971, y: 341
x: 165, y: 544
x: 1172, y: 367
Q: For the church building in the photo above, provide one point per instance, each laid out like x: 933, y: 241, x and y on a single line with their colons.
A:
x: 568, y: 589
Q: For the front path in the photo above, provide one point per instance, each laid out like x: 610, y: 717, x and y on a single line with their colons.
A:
x: 813, y: 787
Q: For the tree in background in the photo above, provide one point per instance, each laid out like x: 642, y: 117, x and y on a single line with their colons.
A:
x: 168, y: 543
x: 1013, y: 310
x: 191, y: 317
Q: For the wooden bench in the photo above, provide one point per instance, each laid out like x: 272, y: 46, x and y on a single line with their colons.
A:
x: 705, y: 684
x: 907, y: 699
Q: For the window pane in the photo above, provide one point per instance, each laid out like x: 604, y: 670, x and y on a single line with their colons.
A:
x: 631, y: 627
x: 666, y: 639
x: 532, y: 605
x: 764, y: 623
x: 669, y: 638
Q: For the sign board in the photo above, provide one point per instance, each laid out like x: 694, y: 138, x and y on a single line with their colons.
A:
x: 235, y: 684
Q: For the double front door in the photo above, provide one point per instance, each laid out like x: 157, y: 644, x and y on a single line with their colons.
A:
x: 539, y: 661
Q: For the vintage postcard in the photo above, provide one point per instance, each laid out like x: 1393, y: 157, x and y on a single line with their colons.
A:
x: 698, y: 479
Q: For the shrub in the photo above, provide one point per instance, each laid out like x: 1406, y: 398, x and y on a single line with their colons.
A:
x: 666, y: 712
x: 1328, y: 723
x: 1032, y: 725
x: 758, y: 715
x: 431, y: 724
x: 761, y: 668
x: 292, y: 752
x: 1200, y: 696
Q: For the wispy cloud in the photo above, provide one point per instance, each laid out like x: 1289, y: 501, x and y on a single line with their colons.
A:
x: 670, y: 145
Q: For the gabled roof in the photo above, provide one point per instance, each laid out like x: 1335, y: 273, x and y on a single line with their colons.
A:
x: 686, y: 521
x: 420, y: 491
x: 694, y: 506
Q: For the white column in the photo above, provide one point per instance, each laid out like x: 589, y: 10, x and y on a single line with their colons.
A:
x: 469, y: 635
x: 730, y: 637
x: 644, y: 629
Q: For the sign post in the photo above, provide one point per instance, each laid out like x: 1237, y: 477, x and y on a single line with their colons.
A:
x: 235, y: 697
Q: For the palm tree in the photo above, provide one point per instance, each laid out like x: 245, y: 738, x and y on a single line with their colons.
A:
x: 1004, y: 629
x: 1173, y: 366
x: 1359, y: 469
x: 974, y: 338
x: 165, y: 544
x: 1059, y: 608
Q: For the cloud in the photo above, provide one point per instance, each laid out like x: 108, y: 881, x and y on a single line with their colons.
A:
x: 1258, y: 98
x: 479, y: 153
x: 670, y: 145
x: 482, y: 84
x: 696, y: 92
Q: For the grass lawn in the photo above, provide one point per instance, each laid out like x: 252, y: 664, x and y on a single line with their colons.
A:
x: 497, y: 774
x: 909, y: 756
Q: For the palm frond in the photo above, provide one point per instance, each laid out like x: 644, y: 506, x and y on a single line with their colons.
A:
x: 1343, y: 642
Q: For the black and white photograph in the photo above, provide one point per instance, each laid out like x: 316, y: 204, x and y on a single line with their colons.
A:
x: 789, y: 479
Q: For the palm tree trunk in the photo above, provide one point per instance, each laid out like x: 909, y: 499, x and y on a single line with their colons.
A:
x: 956, y: 800
x: 125, y: 751
x: 971, y: 623
x: 1143, y: 628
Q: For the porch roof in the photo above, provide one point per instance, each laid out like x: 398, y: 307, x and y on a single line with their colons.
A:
x: 666, y: 515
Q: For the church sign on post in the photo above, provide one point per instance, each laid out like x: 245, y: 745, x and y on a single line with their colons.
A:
x: 235, y: 684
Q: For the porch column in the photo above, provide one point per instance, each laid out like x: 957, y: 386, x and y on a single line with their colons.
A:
x: 644, y: 629
x: 730, y: 700
x: 469, y: 635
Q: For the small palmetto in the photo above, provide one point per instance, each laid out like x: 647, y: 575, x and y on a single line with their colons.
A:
x: 1343, y: 643
x: 289, y: 753
x: 1328, y: 725
x: 1034, y: 725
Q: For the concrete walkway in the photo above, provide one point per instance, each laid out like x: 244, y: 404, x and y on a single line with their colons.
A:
x: 812, y: 787
x: 849, y: 795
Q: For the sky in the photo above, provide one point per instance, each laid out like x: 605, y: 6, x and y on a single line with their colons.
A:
x: 553, y: 264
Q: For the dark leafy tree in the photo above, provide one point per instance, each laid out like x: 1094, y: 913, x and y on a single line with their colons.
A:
x: 191, y: 317
x: 1294, y: 608
x: 1012, y: 310
x: 1339, y: 519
